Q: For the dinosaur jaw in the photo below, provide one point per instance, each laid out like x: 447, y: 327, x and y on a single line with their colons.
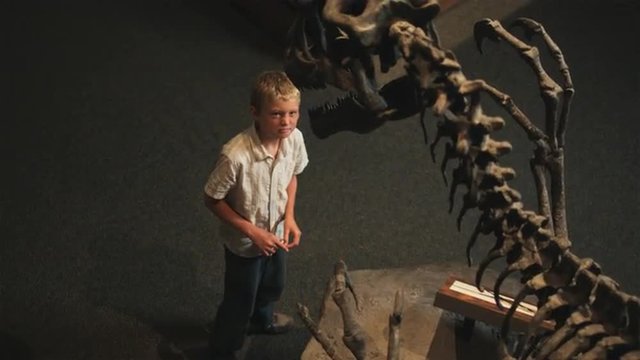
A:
x: 347, y: 113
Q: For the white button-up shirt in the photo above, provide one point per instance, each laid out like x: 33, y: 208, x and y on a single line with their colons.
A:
x: 254, y: 183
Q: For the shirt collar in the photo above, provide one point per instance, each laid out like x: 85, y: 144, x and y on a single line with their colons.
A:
x: 259, y: 152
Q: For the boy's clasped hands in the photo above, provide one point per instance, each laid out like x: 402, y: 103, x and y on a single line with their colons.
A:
x: 268, y: 243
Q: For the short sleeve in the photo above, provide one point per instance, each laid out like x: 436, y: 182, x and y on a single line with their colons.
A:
x: 221, y: 179
x: 301, y: 155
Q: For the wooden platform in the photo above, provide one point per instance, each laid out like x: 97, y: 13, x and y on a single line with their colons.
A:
x: 462, y: 298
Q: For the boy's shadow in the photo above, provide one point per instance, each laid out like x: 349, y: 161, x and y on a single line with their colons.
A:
x: 11, y: 347
x: 189, y: 341
x: 183, y: 341
x: 269, y: 347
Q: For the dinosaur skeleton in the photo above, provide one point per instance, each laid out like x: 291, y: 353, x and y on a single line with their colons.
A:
x: 334, y: 43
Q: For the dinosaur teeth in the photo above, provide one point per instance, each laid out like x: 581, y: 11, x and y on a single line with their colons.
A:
x: 331, y: 106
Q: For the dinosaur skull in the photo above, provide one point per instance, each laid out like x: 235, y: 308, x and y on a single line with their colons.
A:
x: 334, y: 42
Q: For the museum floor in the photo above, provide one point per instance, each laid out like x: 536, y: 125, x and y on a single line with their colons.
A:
x: 114, y: 112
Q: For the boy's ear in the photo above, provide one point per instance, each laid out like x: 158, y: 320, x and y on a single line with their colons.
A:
x: 254, y: 111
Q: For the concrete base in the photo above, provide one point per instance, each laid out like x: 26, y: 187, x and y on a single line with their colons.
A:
x: 426, y: 332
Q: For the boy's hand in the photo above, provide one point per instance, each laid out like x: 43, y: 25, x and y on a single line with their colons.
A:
x: 267, y: 242
x: 291, y: 229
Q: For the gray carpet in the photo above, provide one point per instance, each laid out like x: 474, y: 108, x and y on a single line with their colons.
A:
x: 114, y: 112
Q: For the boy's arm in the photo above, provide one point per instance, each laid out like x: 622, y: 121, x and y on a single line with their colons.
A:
x: 264, y: 240
x: 290, y: 226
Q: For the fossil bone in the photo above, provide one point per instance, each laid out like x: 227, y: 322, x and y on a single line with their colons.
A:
x: 333, y: 42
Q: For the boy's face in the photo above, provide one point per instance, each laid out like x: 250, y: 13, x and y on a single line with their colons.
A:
x: 277, y: 118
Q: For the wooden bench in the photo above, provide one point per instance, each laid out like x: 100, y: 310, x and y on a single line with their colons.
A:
x: 462, y: 298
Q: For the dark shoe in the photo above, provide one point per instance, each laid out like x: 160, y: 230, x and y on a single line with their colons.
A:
x: 281, y: 324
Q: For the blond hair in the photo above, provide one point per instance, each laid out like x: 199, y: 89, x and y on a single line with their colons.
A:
x: 272, y: 85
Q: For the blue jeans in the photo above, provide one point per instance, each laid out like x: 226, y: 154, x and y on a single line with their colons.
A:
x: 251, y: 288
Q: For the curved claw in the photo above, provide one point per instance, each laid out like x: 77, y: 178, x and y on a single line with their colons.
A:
x: 449, y: 153
x: 463, y: 211
x: 469, y: 201
x: 472, y: 241
x: 484, y: 29
x: 439, y: 134
x: 529, y: 26
x: 423, y: 112
x: 461, y: 176
x: 432, y: 149
x: 474, y: 236
x: 506, y: 323
x: 492, y: 256
x: 501, y: 278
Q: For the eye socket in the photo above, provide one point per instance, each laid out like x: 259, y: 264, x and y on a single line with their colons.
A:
x: 353, y: 8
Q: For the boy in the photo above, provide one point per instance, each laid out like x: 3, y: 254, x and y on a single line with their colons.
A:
x: 252, y: 190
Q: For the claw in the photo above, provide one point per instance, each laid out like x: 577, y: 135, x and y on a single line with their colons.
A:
x: 460, y: 176
x: 449, y: 153
x: 484, y: 29
x: 483, y: 226
x: 491, y: 257
x: 439, y: 135
x: 527, y: 264
x: 424, y: 129
x: 498, y: 284
x: 469, y: 201
x: 506, y: 323
x: 529, y: 26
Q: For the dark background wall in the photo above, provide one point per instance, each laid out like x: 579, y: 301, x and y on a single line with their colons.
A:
x: 112, y: 115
